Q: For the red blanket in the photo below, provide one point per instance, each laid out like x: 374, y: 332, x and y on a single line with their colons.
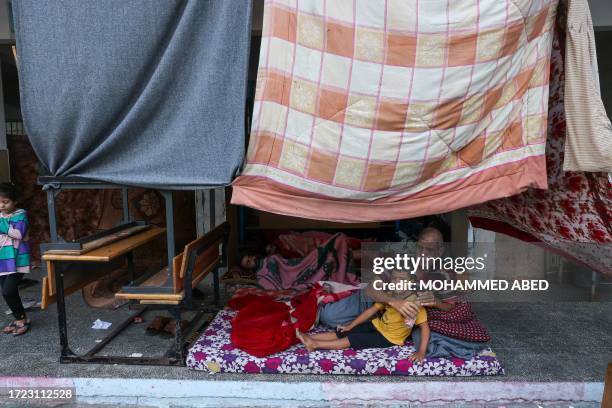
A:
x: 265, y: 326
x: 267, y: 319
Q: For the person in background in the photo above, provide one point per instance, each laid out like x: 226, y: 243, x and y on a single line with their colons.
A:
x: 14, y: 256
x: 331, y: 260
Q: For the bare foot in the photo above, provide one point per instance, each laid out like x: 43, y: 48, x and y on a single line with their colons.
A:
x: 306, y: 340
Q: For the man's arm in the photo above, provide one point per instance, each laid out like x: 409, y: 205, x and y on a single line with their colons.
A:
x: 406, y: 307
x: 442, y: 304
x: 428, y: 299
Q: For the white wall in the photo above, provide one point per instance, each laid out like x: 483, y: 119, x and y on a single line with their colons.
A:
x: 5, y: 28
x: 601, y: 11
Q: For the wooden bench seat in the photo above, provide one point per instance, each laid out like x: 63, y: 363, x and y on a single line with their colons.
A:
x: 156, y: 280
x: 203, y: 256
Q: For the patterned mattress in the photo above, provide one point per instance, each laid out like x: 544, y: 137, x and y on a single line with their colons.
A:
x: 214, y: 353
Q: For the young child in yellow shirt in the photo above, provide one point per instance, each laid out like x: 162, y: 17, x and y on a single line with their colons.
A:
x: 387, y: 330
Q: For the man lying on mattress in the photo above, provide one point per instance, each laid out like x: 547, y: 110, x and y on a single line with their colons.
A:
x: 455, y: 331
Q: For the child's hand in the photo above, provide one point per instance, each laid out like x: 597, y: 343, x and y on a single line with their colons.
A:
x: 417, y: 357
x: 344, y: 328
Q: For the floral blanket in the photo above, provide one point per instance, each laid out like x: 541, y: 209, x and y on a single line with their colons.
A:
x: 214, y: 353
x: 574, y: 216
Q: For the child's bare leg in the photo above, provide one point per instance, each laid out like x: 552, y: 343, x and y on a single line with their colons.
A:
x: 336, y: 344
x: 324, y: 336
x: 313, y: 343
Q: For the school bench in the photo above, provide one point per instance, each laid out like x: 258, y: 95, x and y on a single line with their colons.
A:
x: 72, y: 265
x: 199, y: 259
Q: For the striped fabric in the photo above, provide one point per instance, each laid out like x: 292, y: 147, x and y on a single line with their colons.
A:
x: 588, y: 145
x: 388, y: 109
x: 14, y: 246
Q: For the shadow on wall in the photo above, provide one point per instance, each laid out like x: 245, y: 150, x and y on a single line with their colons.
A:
x: 603, y: 43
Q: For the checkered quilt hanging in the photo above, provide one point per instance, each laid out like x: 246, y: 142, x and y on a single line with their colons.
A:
x: 386, y: 109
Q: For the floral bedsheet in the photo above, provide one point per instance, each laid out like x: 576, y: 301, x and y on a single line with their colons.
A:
x: 214, y: 353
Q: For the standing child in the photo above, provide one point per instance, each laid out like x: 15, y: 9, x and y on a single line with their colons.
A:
x: 390, y: 329
x: 14, y: 256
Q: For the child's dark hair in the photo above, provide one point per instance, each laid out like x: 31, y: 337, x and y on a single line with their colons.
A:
x: 8, y: 190
x: 249, y: 250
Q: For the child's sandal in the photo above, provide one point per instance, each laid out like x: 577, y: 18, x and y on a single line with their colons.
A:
x: 21, y: 328
x: 9, y: 329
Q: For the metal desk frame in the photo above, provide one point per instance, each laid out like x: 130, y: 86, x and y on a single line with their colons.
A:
x: 176, y: 354
x: 54, y: 185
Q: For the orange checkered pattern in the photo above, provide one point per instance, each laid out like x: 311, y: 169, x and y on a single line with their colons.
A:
x: 370, y: 99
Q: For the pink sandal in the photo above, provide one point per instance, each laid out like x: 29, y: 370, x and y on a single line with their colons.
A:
x: 21, y: 328
x: 9, y: 329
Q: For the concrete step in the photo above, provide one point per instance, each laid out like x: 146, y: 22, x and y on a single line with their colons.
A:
x: 220, y: 393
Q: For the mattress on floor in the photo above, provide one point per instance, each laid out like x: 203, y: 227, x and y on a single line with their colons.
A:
x: 214, y: 353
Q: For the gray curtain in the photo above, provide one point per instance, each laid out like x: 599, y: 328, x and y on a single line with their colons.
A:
x: 146, y: 93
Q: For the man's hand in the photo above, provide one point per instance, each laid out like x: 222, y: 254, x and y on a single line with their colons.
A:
x: 407, y: 308
x: 427, y: 299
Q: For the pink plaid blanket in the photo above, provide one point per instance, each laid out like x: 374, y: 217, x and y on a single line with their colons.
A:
x: 388, y: 109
